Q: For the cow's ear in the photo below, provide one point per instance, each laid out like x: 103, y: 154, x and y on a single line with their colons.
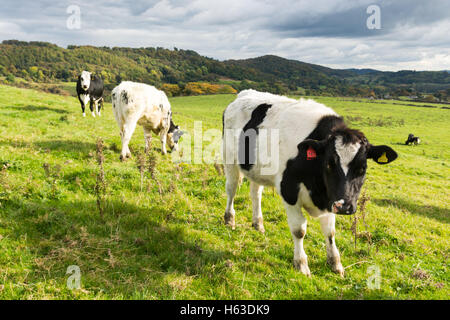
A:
x: 92, y: 77
x: 381, y: 154
x: 311, y: 149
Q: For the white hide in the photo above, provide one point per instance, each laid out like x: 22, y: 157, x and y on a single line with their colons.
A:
x: 138, y: 103
x: 85, y: 80
x: 346, y: 152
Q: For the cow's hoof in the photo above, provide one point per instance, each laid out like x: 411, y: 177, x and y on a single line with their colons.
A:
x: 93, y: 114
x: 259, y: 226
x: 336, y: 266
x: 122, y: 158
x: 84, y: 114
x: 302, y: 266
x: 229, y: 220
x: 338, y: 269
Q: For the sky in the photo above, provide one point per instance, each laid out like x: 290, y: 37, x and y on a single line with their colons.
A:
x: 409, y: 34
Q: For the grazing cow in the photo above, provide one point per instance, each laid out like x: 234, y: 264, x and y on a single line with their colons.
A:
x: 138, y: 103
x: 320, y: 163
x: 90, y: 89
x: 412, y: 140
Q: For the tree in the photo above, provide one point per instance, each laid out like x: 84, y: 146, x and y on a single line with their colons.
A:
x: 10, y: 78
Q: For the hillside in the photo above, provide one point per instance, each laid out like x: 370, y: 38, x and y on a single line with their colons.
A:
x: 45, y: 62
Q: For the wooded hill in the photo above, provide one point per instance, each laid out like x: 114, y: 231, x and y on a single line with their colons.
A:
x: 185, y: 72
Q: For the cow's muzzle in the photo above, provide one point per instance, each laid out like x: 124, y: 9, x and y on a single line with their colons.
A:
x: 341, y: 207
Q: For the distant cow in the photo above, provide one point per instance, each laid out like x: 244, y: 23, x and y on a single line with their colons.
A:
x: 412, y: 140
x: 320, y: 163
x: 138, y: 103
x: 90, y: 89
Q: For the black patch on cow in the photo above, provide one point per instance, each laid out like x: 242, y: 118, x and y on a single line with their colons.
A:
x: 175, y: 130
x: 325, y: 126
x: 172, y: 127
x: 247, y: 146
x: 310, y: 173
x: 299, y: 234
x: 223, y: 123
x: 299, y: 169
x: 124, y: 97
x: 330, y: 240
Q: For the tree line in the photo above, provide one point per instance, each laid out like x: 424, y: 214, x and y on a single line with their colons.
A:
x: 185, y: 72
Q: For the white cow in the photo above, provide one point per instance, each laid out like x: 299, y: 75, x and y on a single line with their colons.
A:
x: 138, y: 103
x: 317, y: 163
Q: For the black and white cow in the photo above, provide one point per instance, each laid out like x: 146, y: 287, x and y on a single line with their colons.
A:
x: 90, y: 89
x: 412, y: 140
x: 317, y: 163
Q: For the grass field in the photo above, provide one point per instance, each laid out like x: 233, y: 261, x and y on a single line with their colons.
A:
x: 164, y: 237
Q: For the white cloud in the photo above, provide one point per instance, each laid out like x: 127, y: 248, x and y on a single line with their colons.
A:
x: 326, y: 32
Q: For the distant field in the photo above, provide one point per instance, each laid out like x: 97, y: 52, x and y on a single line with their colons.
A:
x: 165, y: 238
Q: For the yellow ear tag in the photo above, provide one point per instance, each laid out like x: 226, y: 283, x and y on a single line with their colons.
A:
x: 383, y: 158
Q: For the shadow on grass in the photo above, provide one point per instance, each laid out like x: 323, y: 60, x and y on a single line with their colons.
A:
x: 437, y: 213
x: 128, y: 252
x: 36, y: 108
x: 70, y: 146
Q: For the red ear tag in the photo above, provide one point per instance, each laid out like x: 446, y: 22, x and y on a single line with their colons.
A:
x: 311, y: 154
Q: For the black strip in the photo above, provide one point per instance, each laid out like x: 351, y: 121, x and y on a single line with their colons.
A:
x: 247, y: 142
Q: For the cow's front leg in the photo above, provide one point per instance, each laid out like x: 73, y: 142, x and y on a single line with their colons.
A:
x: 83, y: 109
x: 82, y: 105
x: 163, y: 137
x: 327, y: 223
x: 232, y: 175
x: 91, y: 106
x: 256, y: 194
x: 297, y: 225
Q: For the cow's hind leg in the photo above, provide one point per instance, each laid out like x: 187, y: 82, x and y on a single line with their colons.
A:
x: 327, y: 223
x: 99, y: 106
x: 297, y: 225
x: 256, y: 194
x: 96, y: 107
x: 128, y: 129
x: 232, y: 176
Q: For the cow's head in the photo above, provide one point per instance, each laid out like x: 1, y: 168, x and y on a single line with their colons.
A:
x: 85, y: 80
x: 342, y: 162
x: 173, y: 136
